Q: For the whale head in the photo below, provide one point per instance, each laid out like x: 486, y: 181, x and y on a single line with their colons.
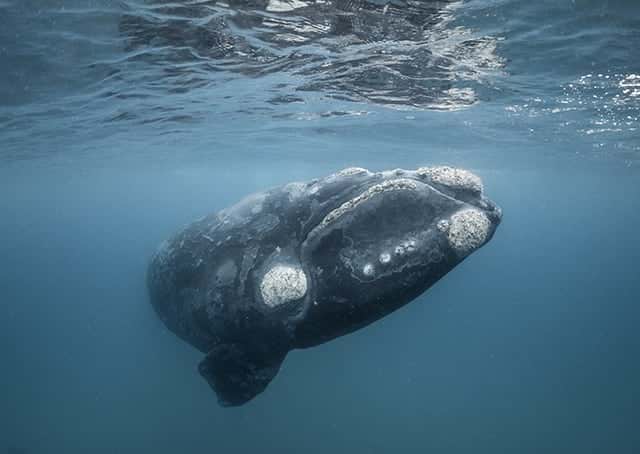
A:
x: 392, y: 236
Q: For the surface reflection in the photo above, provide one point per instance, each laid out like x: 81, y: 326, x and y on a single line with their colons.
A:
x: 401, y: 53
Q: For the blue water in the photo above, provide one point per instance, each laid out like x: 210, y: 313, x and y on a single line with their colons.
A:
x: 121, y: 121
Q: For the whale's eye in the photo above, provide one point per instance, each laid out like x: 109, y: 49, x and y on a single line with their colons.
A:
x: 283, y: 284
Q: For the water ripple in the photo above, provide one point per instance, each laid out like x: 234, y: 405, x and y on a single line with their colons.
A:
x: 404, y: 54
x: 78, y: 76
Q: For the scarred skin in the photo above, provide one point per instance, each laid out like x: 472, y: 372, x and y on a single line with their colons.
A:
x: 301, y: 264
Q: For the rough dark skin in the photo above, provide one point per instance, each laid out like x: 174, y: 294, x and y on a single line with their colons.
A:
x: 304, y: 263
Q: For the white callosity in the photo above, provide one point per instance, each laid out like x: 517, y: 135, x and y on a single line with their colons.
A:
x: 453, y: 178
x: 468, y: 230
x: 368, y: 270
x: 402, y: 184
x: 405, y: 247
x: 283, y: 284
x: 384, y: 258
x: 350, y: 171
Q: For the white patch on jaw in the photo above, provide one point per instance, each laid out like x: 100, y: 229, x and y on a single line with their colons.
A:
x: 349, y: 171
x: 405, y: 247
x: 283, y: 284
x: 368, y: 270
x: 452, y: 177
x: 468, y: 231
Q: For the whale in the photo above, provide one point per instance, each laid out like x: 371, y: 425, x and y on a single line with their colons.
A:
x: 304, y: 263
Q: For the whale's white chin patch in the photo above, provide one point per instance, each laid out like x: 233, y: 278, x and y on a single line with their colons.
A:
x: 283, y: 284
x: 468, y: 230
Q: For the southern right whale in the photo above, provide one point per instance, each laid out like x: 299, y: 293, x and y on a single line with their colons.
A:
x: 301, y: 264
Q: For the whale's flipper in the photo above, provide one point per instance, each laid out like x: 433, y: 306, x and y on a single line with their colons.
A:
x: 238, y: 372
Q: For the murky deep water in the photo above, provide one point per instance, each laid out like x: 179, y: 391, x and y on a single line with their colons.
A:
x: 122, y: 121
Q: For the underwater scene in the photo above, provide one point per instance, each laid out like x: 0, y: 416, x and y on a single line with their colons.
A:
x: 319, y: 226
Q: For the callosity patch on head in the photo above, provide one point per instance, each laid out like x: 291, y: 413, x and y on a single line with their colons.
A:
x: 350, y: 171
x: 401, y: 184
x: 459, y: 179
x: 283, y: 284
x: 468, y: 230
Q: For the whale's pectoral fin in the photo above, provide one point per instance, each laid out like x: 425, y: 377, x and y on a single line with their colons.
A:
x: 238, y: 372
